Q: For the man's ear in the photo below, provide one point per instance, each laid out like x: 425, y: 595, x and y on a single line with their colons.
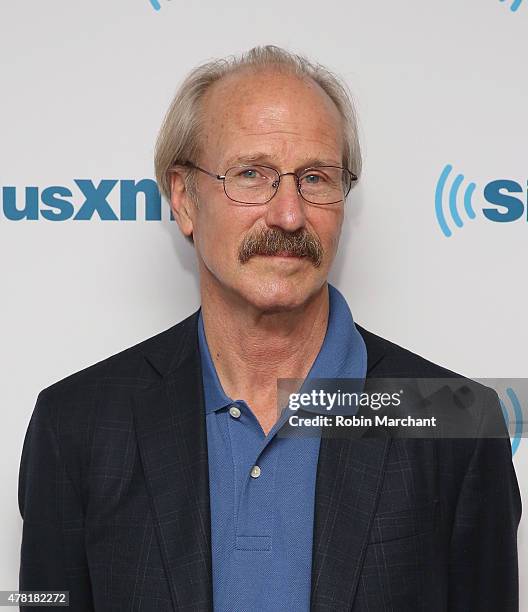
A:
x: 181, y: 203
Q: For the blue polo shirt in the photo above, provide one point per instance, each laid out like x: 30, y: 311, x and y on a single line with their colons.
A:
x: 262, y: 487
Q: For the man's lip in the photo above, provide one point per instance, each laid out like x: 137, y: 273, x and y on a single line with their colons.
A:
x: 284, y: 254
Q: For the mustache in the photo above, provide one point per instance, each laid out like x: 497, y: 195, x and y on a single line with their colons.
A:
x: 272, y: 241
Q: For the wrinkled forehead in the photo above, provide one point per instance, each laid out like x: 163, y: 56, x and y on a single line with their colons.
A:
x: 272, y: 111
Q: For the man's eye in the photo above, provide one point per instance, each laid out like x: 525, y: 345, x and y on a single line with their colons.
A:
x: 313, y: 179
x: 249, y: 173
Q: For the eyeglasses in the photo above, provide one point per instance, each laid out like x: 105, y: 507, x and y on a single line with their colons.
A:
x: 255, y: 184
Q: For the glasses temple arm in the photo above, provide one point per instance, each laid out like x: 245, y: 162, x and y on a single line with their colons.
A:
x: 195, y: 167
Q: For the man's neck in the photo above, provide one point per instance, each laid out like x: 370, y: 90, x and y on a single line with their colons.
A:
x: 252, y: 349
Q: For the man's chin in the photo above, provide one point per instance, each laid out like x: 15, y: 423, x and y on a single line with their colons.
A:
x: 280, y: 294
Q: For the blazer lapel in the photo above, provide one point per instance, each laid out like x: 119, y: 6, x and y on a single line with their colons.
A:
x: 349, y: 479
x: 172, y: 440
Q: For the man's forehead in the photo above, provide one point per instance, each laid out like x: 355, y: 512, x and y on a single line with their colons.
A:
x: 266, y: 87
x: 272, y: 106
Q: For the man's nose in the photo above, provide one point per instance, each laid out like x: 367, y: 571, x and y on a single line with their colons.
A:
x: 286, y: 209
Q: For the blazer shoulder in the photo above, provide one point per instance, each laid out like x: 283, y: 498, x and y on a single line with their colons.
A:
x: 387, y: 359
x: 127, y: 367
x: 392, y: 359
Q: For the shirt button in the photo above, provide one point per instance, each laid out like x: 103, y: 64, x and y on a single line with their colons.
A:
x: 234, y: 411
x: 255, y: 471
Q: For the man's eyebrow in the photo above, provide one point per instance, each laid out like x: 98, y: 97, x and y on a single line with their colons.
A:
x: 318, y: 161
x: 265, y: 159
x: 250, y: 158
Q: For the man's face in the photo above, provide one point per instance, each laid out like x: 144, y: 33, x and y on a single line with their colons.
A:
x: 275, y: 120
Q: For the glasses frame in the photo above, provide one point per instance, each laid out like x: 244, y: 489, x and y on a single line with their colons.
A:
x: 276, y: 183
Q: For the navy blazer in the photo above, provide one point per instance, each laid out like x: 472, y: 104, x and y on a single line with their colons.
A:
x: 114, y: 494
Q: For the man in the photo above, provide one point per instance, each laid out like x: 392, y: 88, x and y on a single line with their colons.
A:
x: 157, y: 478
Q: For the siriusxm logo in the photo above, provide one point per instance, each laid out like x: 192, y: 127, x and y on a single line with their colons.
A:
x: 513, y: 416
x: 58, y: 203
x: 454, y: 205
x: 515, y: 5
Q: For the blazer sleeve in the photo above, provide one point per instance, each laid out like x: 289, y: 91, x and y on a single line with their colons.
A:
x: 53, y: 556
x: 483, y: 568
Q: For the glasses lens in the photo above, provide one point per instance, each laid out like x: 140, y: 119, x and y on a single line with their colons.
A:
x: 325, y: 184
x: 250, y: 184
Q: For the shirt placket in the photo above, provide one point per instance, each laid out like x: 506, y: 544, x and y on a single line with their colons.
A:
x: 256, y: 460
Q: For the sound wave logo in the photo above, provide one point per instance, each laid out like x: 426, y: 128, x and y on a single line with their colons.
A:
x: 156, y: 5
x: 517, y: 420
x: 515, y: 5
x: 453, y: 201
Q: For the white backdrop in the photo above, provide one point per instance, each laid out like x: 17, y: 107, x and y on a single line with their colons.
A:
x: 84, y: 86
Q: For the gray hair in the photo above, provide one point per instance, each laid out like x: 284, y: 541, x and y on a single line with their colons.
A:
x: 178, y: 138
